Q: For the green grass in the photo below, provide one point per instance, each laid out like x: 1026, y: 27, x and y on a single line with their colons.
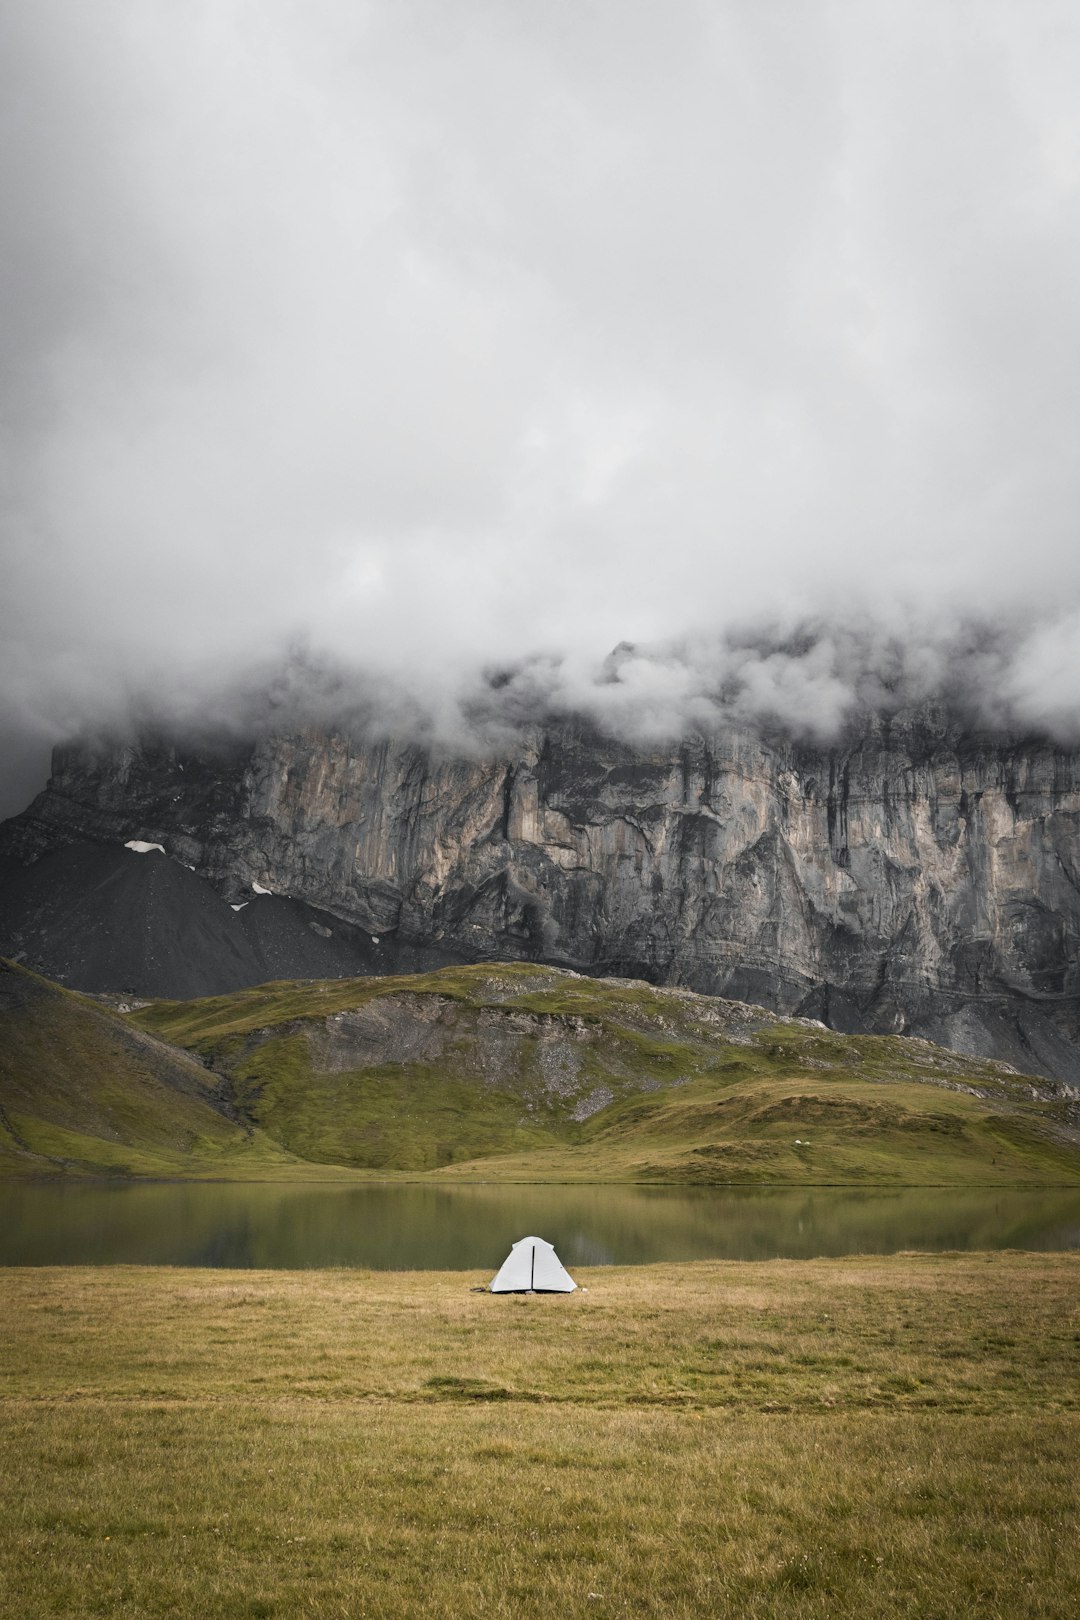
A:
x: 80, y: 1090
x: 514, y: 1071
x: 858, y: 1437
x: 808, y: 1130
x: 405, y: 1121
x: 505, y: 1071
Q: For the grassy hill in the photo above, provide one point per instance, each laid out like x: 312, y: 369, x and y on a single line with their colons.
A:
x: 81, y: 1089
x: 513, y: 1071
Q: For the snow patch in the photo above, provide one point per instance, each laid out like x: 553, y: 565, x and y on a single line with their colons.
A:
x: 260, y: 890
x: 374, y: 939
x: 141, y: 847
x: 240, y: 907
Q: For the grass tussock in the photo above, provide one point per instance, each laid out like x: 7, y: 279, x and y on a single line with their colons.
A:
x: 871, y: 1438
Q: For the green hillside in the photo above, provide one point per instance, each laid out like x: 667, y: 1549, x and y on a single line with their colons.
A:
x: 503, y: 1072
x: 512, y: 1071
x: 81, y: 1090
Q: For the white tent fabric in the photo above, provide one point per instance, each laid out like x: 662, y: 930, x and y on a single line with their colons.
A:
x: 532, y: 1266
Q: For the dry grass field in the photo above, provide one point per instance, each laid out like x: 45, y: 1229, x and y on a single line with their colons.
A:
x: 863, y: 1437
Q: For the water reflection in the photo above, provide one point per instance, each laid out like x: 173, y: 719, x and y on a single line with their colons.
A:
x: 408, y: 1227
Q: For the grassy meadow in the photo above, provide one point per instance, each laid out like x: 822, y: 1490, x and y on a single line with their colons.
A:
x: 870, y: 1437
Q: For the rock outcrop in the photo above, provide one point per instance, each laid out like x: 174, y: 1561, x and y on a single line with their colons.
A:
x: 914, y: 878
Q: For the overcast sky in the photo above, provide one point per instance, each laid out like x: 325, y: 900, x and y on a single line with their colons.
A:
x: 421, y: 338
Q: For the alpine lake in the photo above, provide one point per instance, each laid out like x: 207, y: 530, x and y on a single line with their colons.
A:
x: 408, y: 1226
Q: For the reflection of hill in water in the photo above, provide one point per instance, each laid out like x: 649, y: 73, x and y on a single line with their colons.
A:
x: 408, y: 1227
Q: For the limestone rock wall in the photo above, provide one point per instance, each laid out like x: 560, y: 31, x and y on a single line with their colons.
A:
x: 914, y: 878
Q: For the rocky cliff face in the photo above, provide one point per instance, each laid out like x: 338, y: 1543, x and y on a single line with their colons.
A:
x: 914, y: 878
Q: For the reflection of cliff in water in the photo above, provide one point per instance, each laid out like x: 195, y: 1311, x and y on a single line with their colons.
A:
x: 409, y: 1227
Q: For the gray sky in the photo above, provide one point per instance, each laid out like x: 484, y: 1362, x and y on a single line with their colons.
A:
x: 425, y: 337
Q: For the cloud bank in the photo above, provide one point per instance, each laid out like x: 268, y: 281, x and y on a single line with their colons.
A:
x: 417, y: 341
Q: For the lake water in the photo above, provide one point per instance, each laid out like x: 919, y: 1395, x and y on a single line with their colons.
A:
x: 390, y: 1227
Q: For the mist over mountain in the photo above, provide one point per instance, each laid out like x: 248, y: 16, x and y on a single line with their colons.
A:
x: 583, y: 482
x: 422, y: 356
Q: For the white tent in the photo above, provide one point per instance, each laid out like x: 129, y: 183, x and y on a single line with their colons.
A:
x: 532, y: 1266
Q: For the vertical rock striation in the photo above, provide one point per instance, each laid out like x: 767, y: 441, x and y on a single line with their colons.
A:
x: 915, y: 877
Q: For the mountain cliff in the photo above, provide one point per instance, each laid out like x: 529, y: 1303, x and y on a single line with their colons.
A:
x: 913, y: 877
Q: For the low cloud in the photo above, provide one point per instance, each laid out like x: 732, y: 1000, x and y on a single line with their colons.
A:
x: 414, y: 343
